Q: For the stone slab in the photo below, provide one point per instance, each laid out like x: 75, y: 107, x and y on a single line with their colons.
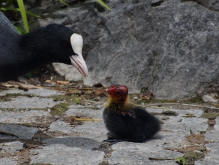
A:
x: 22, y: 102
x: 11, y: 147
x: 19, y: 117
x: 14, y: 131
x: 62, y: 154
x: 6, y: 161
x: 35, y: 92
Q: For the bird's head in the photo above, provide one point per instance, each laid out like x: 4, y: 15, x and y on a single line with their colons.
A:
x: 66, y: 47
x: 118, y: 93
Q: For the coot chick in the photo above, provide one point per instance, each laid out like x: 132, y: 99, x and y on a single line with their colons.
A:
x: 19, y: 54
x: 126, y: 121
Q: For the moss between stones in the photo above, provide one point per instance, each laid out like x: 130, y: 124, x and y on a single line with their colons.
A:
x: 154, y: 100
x: 8, y: 96
x: 63, y: 106
x: 59, y: 108
x: 194, y: 100
x: 56, y: 110
x: 191, y: 157
x: 210, y: 115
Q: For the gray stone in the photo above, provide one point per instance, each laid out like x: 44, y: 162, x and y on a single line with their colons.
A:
x: 161, y: 48
x: 169, y: 46
x: 11, y: 147
x: 139, y: 153
x: 208, y: 99
x: 181, y: 113
x: 61, y: 126
x: 216, y: 126
x: 68, y: 71
x: 35, y: 92
x: 195, y: 124
x: 19, y: 117
x: 135, y: 158
x: 23, y: 102
x: 62, y: 154
x: 4, y: 161
x: 212, y: 136
x: 94, y: 105
x: 94, y: 130
x: 212, y: 156
x: 74, y: 141
x: 86, y: 112
x: 89, y: 129
x: 14, y: 131
x: 210, y: 4
x: 205, y: 162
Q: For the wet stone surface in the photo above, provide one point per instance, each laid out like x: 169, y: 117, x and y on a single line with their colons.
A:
x: 30, y: 133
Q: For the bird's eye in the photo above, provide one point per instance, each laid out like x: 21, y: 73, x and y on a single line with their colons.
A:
x: 118, y: 93
x: 64, y: 43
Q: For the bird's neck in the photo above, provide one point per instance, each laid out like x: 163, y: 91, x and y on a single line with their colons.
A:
x: 30, y: 54
x: 117, y: 104
x: 33, y: 47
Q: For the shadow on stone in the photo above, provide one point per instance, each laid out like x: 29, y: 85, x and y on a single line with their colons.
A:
x: 14, y: 131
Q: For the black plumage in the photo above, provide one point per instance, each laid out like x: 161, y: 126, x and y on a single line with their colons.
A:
x: 126, y: 121
x: 20, y: 54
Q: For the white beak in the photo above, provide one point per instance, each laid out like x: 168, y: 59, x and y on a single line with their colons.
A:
x: 78, y: 60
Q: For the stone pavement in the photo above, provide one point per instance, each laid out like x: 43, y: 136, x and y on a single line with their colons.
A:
x: 31, y: 134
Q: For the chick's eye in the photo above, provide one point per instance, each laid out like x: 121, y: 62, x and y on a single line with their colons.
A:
x: 64, y: 43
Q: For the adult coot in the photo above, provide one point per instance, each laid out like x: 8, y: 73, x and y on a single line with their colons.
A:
x: 20, y: 54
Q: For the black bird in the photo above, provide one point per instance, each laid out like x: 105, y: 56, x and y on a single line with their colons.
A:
x: 20, y: 54
x: 126, y: 121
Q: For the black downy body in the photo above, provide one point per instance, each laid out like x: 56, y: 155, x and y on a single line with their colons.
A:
x: 126, y: 121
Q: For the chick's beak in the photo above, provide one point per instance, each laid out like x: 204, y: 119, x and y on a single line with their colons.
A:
x: 109, y: 91
x: 79, y: 63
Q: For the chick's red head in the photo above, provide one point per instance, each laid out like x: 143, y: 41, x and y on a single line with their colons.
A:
x: 117, y: 91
